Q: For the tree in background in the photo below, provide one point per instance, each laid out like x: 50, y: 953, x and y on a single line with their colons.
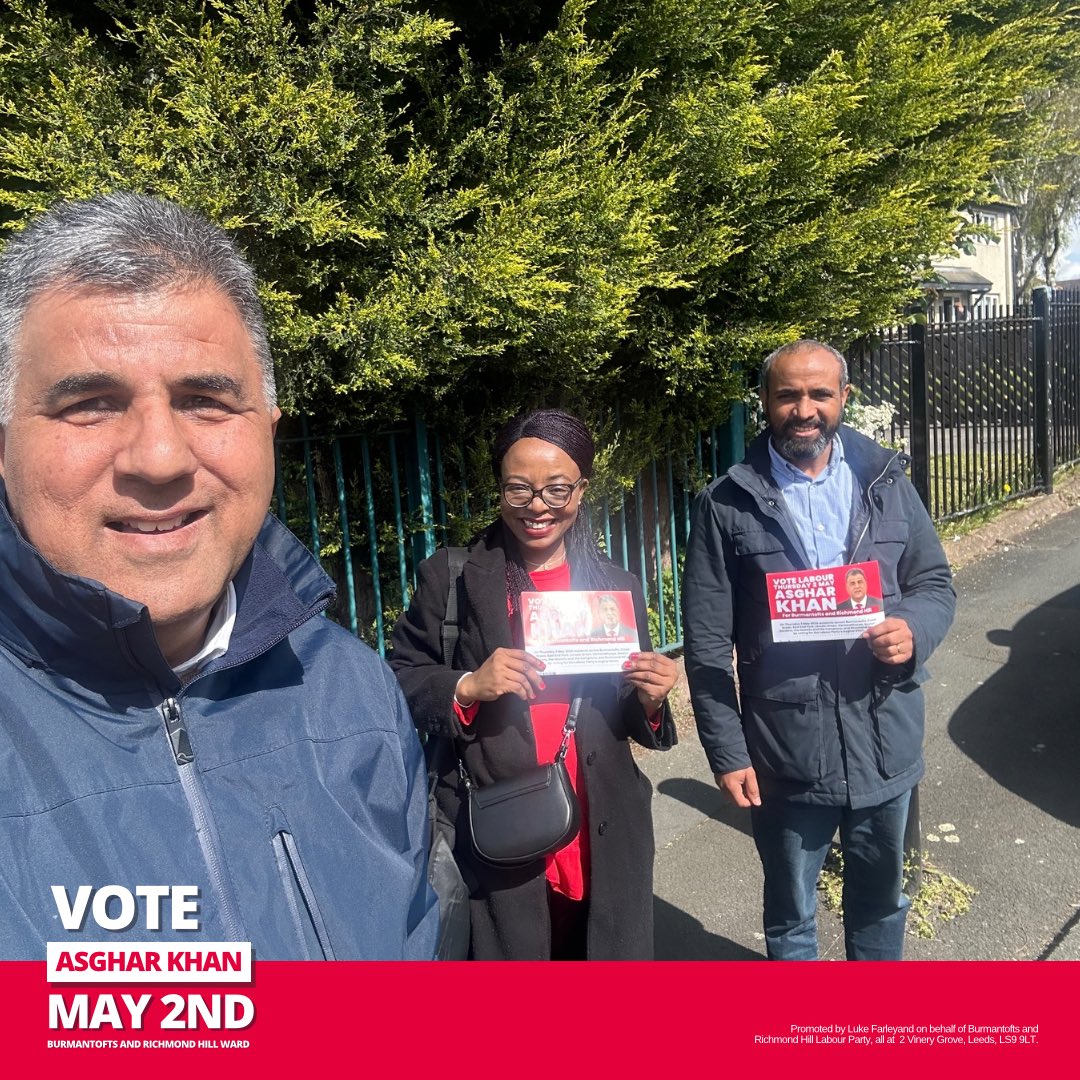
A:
x: 467, y: 207
x: 1044, y: 185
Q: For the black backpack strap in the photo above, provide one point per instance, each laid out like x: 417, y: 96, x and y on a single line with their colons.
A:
x: 451, y: 628
x: 444, y: 874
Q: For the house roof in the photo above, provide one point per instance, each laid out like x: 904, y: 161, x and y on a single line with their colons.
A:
x: 957, y: 277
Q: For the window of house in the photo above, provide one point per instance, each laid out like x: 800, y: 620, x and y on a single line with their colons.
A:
x: 988, y: 221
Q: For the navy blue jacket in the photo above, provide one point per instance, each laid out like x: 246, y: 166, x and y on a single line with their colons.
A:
x: 821, y: 722
x: 285, y: 780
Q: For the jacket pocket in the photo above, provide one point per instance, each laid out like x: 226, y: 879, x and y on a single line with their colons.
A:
x: 759, y: 553
x: 783, y: 725
x: 300, y: 897
x: 757, y: 542
x: 760, y: 549
x: 890, y: 538
x: 897, y: 715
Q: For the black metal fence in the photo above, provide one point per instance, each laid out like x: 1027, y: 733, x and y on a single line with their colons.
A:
x: 1065, y: 392
x: 987, y: 407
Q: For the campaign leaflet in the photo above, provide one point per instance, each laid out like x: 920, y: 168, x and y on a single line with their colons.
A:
x: 579, y: 632
x: 832, y: 604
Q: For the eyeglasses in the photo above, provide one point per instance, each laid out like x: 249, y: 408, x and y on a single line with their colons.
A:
x: 554, y: 495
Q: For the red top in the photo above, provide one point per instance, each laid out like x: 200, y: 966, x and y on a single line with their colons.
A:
x: 567, y: 869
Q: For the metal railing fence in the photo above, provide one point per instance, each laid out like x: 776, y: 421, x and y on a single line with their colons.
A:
x: 1065, y: 394
x: 987, y: 407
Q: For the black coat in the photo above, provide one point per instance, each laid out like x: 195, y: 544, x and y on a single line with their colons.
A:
x: 509, y: 908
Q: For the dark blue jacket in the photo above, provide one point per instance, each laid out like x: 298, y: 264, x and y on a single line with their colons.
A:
x: 285, y: 780
x: 821, y: 722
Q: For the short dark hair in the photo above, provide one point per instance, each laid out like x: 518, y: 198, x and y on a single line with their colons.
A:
x: 802, y: 345
x: 122, y: 242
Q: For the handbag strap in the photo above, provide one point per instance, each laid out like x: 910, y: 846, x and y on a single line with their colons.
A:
x: 560, y: 754
x: 569, y: 726
x: 436, y: 746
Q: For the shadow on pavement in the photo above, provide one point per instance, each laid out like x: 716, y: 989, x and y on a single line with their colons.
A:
x: 708, y: 799
x: 1022, y: 726
x: 679, y: 936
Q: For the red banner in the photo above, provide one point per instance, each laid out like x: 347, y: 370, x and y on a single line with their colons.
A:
x: 407, y: 1020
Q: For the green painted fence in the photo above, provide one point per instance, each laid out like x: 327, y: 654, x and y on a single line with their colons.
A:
x: 373, y: 506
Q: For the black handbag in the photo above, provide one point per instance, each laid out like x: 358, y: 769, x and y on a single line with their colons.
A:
x: 525, y: 817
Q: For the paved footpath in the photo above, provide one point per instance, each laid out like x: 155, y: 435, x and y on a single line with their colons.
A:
x: 1000, y: 801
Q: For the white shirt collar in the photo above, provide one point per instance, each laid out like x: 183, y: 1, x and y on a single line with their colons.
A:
x: 218, y: 633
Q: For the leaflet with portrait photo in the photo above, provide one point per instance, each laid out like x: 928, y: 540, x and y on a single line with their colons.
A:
x: 579, y: 632
x: 836, y: 603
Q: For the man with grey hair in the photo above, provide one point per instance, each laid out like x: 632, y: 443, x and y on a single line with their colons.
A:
x: 173, y: 712
x: 821, y: 735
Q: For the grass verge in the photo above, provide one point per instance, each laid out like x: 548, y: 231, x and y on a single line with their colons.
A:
x: 941, y: 897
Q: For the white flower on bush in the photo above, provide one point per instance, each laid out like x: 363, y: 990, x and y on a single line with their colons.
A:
x: 873, y: 421
x: 754, y: 413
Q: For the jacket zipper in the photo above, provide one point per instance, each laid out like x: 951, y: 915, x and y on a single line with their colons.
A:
x: 870, y: 502
x: 306, y: 916
x: 204, y: 829
x: 180, y: 743
x: 876, y: 697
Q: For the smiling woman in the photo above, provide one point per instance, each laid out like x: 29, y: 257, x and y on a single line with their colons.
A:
x: 591, y: 899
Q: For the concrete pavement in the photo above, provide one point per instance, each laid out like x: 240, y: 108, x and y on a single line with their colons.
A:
x: 1000, y: 803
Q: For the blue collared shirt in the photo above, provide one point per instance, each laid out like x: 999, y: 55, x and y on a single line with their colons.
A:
x: 820, y: 507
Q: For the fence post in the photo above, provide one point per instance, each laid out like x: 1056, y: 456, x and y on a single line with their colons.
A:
x: 920, y: 416
x: 313, y: 502
x: 734, y: 448
x: 1044, y: 443
x: 419, y: 477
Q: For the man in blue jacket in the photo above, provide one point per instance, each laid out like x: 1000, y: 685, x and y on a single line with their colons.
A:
x: 822, y: 735
x: 173, y: 712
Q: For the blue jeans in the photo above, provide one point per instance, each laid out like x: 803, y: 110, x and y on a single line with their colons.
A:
x: 793, y: 840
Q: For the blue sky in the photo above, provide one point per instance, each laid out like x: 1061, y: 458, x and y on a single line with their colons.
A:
x: 1069, y: 264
